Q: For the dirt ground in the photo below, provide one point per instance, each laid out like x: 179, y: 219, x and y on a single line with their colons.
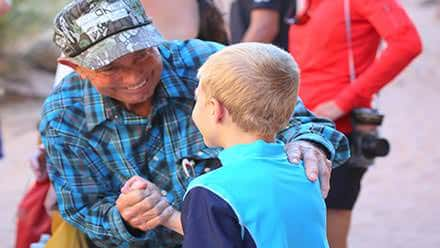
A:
x: 398, y: 206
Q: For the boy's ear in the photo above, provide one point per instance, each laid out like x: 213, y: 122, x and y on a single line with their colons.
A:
x: 219, y: 110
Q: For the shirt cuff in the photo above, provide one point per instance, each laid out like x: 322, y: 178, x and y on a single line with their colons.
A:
x: 318, y: 139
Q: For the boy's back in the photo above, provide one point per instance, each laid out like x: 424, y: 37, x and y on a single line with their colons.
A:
x: 246, y: 95
x: 257, y: 192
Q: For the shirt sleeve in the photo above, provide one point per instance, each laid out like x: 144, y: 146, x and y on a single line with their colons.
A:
x: 304, y: 125
x: 208, y: 221
x: 85, y: 200
x: 392, y: 23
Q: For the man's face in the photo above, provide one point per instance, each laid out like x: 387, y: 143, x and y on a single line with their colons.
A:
x: 130, y: 79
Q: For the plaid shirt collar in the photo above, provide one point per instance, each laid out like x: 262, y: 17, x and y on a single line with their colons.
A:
x: 99, y: 108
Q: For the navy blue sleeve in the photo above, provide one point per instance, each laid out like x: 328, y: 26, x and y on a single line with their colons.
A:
x: 266, y: 4
x: 208, y: 221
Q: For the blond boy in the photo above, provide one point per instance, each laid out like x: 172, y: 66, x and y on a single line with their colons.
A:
x: 246, y: 95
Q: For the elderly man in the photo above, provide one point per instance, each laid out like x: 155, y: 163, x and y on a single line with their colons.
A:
x: 126, y: 111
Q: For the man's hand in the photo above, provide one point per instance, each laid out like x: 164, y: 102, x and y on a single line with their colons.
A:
x: 315, y: 162
x: 38, y: 164
x: 328, y: 110
x: 142, y: 205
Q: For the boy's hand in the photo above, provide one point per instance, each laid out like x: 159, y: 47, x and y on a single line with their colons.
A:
x: 138, y: 183
x: 142, y: 205
x: 315, y: 162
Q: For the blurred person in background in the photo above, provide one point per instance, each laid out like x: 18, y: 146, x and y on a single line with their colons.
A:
x: 5, y: 6
x: 336, y: 43
x: 38, y: 165
x: 165, y: 16
x: 212, y: 26
x: 199, y: 19
x: 259, y: 21
x: 1, y: 142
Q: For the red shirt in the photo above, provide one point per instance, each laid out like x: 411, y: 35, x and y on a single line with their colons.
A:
x: 320, y: 48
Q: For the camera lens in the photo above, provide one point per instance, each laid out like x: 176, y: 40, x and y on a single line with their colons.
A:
x: 374, y: 147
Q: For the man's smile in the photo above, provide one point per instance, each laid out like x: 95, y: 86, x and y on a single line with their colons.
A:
x: 137, y: 86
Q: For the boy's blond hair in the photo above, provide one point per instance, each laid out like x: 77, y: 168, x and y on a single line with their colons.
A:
x: 257, y: 83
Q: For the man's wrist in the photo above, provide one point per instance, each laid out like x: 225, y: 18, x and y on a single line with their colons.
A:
x: 318, y: 142
x: 325, y: 152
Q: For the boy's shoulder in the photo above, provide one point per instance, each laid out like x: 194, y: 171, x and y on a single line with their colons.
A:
x: 211, y: 178
x: 218, y: 181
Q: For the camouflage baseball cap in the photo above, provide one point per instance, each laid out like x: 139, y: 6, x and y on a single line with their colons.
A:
x: 93, y: 33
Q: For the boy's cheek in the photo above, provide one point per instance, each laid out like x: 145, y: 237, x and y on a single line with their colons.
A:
x: 196, y: 114
x: 193, y: 115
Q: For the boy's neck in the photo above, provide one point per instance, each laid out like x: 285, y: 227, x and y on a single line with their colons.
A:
x: 239, y: 137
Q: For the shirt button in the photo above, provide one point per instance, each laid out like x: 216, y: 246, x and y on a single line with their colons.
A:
x: 116, y: 117
x: 155, y: 158
x: 163, y: 193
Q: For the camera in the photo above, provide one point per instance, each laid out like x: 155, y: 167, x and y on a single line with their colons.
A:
x: 365, y: 142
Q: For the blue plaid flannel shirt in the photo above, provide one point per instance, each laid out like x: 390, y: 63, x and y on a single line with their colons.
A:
x: 94, y: 145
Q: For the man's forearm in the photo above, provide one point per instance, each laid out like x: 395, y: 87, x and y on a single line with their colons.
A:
x: 303, y: 125
x: 260, y: 34
x: 263, y: 26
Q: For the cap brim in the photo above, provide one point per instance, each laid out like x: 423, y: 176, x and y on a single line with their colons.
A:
x: 118, y: 45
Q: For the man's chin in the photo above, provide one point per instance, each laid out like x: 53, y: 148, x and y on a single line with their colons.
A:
x: 136, y: 99
x: 133, y: 101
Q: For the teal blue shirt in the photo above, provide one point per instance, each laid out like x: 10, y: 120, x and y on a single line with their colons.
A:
x: 271, y: 200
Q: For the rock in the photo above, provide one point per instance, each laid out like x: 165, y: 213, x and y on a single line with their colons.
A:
x: 26, y: 21
x: 19, y: 77
x: 27, y: 55
x: 42, y: 53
